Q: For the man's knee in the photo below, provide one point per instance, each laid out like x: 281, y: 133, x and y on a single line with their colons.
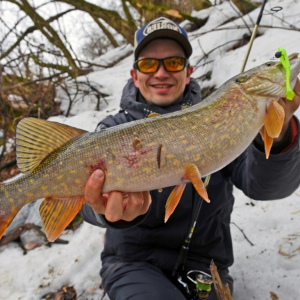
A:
x: 140, y: 281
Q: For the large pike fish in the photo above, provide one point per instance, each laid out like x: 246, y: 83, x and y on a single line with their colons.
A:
x: 147, y: 154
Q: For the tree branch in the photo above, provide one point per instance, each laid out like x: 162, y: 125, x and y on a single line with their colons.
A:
x: 105, y: 31
x: 242, y: 231
x: 112, y: 18
x: 48, y: 32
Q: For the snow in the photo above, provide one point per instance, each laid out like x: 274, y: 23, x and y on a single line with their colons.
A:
x: 266, y: 235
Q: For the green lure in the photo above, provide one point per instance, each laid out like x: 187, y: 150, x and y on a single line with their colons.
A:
x: 281, y: 54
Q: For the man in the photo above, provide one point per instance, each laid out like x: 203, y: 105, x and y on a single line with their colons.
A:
x: 140, y: 249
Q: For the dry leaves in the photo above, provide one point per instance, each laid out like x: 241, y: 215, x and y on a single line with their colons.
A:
x: 291, y: 243
x: 273, y: 296
x: 65, y: 292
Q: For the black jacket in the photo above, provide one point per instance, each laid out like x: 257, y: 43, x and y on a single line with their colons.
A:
x: 149, y: 239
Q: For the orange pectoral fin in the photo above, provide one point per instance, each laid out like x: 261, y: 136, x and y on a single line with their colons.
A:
x: 274, y: 119
x: 273, y: 124
x: 57, y: 213
x: 173, y: 200
x: 193, y: 175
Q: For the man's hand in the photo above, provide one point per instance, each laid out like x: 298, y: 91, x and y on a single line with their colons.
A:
x: 289, y: 108
x: 115, y: 205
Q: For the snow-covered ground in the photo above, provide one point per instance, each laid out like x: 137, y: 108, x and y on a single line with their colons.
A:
x: 266, y: 235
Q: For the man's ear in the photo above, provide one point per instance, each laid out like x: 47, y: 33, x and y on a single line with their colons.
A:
x: 189, y: 71
x: 133, y: 74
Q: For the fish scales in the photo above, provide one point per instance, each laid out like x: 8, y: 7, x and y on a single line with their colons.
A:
x: 147, y: 154
x: 186, y: 137
x: 122, y: 159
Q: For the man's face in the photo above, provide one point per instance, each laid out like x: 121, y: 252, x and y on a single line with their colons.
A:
x: 162, y: 87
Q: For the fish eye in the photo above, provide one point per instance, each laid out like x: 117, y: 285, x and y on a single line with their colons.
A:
x: 241, y: 79
x: 270, y: 63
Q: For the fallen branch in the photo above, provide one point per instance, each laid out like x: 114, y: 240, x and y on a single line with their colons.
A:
x: 242, y: 231
x: 15, y: 235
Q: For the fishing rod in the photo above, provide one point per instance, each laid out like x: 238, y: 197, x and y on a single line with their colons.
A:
x: 203, y: 281
x: 253, y: 35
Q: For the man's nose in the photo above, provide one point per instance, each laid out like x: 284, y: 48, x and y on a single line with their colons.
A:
x: 161, y: 71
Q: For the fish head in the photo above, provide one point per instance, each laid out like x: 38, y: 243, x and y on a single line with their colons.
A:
x: 269, y: 80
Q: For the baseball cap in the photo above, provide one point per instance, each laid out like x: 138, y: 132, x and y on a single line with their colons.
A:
x: 161, y: 28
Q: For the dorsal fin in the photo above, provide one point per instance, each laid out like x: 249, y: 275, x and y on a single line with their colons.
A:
x: 36, y: 138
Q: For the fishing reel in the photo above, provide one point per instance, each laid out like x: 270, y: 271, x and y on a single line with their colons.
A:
x: 199, y: 285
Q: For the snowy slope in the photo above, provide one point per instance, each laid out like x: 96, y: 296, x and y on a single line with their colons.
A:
x: 271, y: 264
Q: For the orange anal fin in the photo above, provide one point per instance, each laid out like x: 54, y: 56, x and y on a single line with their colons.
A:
x: 192, y: 174
x: 268, y: 142
x: 173, y: 200
x: 274, y: 119
x: 57, y: 213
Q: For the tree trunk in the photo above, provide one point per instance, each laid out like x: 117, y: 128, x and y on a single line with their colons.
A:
x: 244, y: 6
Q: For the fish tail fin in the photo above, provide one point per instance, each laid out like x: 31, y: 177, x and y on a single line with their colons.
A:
x: 8, y: 210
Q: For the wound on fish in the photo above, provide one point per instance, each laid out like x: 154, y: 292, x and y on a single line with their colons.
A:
x: 137, y: 143
x: 131, y: 160
x: 109, y: 151
x: 98, y: 165
x: 158, y: 156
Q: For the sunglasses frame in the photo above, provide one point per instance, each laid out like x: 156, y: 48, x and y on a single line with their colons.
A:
x: 160, y: 62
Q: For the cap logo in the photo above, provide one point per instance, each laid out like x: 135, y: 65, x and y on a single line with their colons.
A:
x: 160, y: 24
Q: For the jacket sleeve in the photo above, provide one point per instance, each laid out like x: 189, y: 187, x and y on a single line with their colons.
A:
x: 268, y: 179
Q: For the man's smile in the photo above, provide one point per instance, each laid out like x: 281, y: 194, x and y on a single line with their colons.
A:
x: 162, y: 87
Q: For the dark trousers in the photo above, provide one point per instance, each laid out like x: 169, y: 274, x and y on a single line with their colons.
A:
x: 143, y: 281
